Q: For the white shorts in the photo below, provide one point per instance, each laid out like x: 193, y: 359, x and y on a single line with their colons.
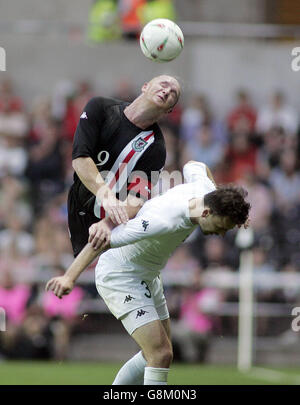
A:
x: 132, y: 300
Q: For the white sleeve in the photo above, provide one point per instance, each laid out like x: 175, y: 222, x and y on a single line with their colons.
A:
x: 141, y: 227
x: 194, y: 171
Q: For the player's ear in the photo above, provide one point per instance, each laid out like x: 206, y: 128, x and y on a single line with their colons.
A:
x: 144, y: 87
x: 205, y: 213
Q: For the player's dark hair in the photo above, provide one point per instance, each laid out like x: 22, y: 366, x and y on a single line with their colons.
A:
x: 229, y: 201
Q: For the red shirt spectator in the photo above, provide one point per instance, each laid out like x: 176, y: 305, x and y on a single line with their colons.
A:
x: 243, y: 110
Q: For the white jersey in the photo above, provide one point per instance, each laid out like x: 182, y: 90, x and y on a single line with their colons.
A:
x: 145, y: 243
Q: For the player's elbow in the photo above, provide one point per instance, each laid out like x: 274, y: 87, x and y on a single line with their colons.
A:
x: 75, y: 164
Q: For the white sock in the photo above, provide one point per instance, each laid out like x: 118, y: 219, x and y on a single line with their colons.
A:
x: 132, y: 373
x: 156, y: 376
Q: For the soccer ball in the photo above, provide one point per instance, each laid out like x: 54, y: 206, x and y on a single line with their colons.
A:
x: 161, y: 40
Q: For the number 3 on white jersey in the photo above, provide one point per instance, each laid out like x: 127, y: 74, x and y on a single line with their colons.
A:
x: 102, y: 157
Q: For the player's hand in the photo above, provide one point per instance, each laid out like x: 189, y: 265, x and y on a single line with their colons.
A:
x: 60, y: 286
x: 114, y: 208
x: 100, y: 233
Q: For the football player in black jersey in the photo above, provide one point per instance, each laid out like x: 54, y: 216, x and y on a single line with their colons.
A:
x: 113, y: 141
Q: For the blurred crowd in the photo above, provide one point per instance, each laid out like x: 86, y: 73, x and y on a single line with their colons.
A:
x: 256, y: 146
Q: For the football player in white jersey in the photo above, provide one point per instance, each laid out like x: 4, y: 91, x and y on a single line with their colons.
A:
x: 128, y: 274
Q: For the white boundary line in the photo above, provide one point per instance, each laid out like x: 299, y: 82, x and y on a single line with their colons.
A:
x: 273, y: 375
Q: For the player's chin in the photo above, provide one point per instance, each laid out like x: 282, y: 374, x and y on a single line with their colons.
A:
x: 159, y: 101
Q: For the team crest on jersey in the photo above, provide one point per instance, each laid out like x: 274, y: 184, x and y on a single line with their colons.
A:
x: 139, y: 144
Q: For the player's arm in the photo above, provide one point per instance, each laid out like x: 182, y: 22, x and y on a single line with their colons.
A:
x: 100, y: 232
x: 63, y: 285
x: 84, y: 146
x: 141, y: 227
x: 141, y: 181
x: 208, y: 172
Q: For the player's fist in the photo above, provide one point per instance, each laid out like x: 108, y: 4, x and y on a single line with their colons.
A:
x: 60, y: 286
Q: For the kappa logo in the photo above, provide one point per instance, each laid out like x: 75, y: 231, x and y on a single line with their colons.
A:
x: 128, y: 298
x: 141, y: 312
x: 139, y: 144
x: 145, y: 224
x: 83, y: 115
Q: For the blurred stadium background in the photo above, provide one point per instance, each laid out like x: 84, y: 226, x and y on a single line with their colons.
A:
x: 239, y: 113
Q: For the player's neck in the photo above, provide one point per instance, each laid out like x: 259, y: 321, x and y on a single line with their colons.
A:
x: 141, y: 114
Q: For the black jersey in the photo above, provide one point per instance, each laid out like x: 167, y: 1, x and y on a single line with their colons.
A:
x: 119, y: 149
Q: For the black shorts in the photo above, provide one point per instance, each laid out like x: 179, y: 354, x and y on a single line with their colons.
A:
x: 79, y: 221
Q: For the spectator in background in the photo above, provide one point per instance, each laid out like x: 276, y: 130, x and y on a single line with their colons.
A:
x: 203, y: 147
x: 13, y: 130
x: 63, y: 314
x: 131, y: 12
x: 194, y: 116
x: 262, y: 268
x: 268, y: 155
x: 242, y: 110
x: 214, y: 253
x: 63, y: 91
x: 240, y: 156
x: 285, y: 181
x: 153, y: 9
x: 181, y: 269
x: 172, y: 149
x: 32, y: 340
x: 52, y: 243
x: 45, y: 167
x: 277, y: 114
x: 15, y: 241
x: 12, y: 199
x: 8, y: 100
x: 13, y: 296
x: 40, y: 117
x: 75, y: 104
x: 104, y: 24
x: 192, y: 332
x: 260, y: 198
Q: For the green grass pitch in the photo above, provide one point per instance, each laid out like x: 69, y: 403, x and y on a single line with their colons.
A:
x: 69, y: 373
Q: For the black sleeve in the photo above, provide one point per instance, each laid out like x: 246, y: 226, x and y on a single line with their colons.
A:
x: 147, y: 170
x: 88, y: 129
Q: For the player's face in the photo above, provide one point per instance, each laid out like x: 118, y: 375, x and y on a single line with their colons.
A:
x: 164, y: 91
x: 216, y: 225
